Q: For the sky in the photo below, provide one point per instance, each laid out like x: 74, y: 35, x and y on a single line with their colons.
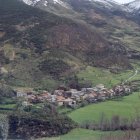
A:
x: 123, y: 1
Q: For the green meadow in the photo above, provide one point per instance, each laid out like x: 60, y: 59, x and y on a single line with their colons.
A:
x: 104, y: 76
x: 126, y: 107
x: 109, y: 79
x: 82, y: 134
x: 9, y: 106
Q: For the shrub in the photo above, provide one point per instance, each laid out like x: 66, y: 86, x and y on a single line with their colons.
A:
x: 54, y: 67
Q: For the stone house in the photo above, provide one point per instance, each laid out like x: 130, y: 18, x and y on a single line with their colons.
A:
x: 102, y: 97
x: 32, y: 98
x: 92, y: 97
x: 76, y: 98
x: 26, y: 103
x: 67, y: 94
x: 21, y: 94
x: 88, y: 90
x: 100, y: 86
x: 53, y: 98
x: 70, y: 103
x: 127, y: 89
x: 60, y: 100
x: 59, y: 92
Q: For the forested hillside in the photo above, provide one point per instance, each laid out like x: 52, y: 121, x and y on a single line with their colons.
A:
x: 31, y: 39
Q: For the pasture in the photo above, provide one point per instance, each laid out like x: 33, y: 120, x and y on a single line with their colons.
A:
x: 125, y: 107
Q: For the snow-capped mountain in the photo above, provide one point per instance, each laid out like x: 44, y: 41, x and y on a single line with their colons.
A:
x: 64, y: 3
x: 31, y: 2
x: 44, y: 2
x: 134, y: 6
x: 112, y: 5
x: 109, y: 4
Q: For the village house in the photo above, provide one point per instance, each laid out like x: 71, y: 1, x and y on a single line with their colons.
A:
x: 44, y: 96
x: 100, y: 87
x: 102, y: 97
x: 67, y: 94
x: 31, y: 98
x: 111, y: 93
x: 77, y: 98
x: 70, y: 103
x: 97, y: 88
x: 122, y: 89
x: 85, y: 96
x: 60, y: 100
x: 59, y: 92
x: 92, y: 97
x: 72, y: 97
x: 21, y: 94
x: 24, y: 92
x: 26, y: 103
x: 118, y: 90
x: 53, y: 98
x: 89, y: 90
x: 127, y: 89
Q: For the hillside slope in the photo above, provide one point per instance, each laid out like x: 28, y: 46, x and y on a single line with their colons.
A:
x: 40, y: 48
x: 118, y: 23
x: 134, y: 6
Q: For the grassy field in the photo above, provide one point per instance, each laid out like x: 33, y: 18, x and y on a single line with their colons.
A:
x: 82, y: 134
x: 136, y: 65
x: 126, y: 107
x: 104, y: 76
x: 7, y: 106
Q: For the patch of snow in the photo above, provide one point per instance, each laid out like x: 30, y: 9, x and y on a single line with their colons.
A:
x: 61, y: 3
x: 108, y: 3
x: 45, y: 2
x: 111, y: 4
x: 31, y: 2
x: 135, y: 5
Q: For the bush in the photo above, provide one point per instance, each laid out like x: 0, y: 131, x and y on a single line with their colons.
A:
x: 54, y: 67
x: 39, y: 122
x: 6, y: 91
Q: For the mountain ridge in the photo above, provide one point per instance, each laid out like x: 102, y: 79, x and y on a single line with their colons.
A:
x: 134, y: 6
x: 130, y: 7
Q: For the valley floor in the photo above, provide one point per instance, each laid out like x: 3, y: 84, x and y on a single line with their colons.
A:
x: 125, y: 107
x: 82, y: 134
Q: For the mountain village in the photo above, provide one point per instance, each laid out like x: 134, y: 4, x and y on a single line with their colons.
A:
x: 72, y: 97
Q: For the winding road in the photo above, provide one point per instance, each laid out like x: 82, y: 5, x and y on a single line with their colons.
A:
x: 135, y: 74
